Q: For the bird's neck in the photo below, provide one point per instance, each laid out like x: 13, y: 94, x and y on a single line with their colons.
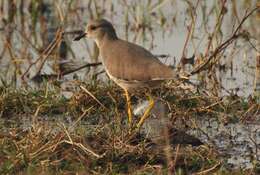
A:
x: 106, y: 39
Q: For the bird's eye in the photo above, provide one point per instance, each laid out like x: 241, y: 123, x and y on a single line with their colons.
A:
x: 93, y: 27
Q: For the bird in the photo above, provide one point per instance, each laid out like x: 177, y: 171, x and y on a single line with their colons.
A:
x: 129, y: 65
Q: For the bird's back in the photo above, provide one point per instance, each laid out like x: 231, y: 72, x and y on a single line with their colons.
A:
x: 133, y: 62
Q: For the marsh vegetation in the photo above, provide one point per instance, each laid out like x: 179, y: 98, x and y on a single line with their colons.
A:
x: 60, y: 114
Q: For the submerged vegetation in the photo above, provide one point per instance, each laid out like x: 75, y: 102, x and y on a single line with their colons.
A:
x: 60, y: 115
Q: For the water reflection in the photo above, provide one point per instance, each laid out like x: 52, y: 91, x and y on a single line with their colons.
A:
x: 237, y: 143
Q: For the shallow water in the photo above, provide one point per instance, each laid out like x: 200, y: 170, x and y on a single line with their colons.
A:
x: 237, y: 144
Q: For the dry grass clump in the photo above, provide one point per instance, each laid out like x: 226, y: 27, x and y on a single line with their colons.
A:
x: 88, y: 133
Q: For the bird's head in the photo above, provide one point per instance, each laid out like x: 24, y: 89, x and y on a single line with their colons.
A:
x: 97, y: 29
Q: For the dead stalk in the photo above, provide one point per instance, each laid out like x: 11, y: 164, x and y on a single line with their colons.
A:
x: 224, y: 45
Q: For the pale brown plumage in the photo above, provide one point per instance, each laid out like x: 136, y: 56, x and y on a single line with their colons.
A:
x: 129, y: 65
x: 133, y: 64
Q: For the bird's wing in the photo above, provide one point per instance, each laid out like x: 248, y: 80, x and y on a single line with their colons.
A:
x: 129, y: 61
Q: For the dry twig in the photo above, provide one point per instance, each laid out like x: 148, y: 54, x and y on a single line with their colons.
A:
x: 225, y: 44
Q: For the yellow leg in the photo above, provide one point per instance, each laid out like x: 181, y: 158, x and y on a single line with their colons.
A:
x: 147, y: 112
x: 129, y: 110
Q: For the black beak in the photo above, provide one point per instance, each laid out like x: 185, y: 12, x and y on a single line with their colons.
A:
x: 82, y: 35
